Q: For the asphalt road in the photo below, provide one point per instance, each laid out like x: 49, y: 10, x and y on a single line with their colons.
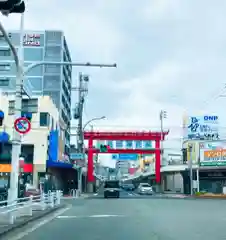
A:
x: 135, y: 218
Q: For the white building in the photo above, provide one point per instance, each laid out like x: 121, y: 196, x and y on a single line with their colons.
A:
x: 45, y: 117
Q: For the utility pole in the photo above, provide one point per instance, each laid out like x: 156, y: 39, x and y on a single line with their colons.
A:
x: 80, y: 142
x: 190, y: 168
x: 162, y: 116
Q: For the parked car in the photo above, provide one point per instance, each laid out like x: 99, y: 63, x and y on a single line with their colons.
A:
x: 31, y: 190
x: 145, y: 188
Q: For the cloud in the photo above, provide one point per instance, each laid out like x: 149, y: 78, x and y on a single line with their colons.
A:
x: 161, y: 9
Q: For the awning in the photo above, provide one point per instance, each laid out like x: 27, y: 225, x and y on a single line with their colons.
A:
x: 4, y: 137
x: 58, y: 164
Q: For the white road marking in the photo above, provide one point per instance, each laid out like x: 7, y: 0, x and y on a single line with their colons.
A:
x: 61, y: 217
x: 90, y: 216
x: 38, y: 225
x: 102, y: 216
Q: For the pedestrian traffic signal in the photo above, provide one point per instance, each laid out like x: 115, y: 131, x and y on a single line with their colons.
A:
x: 103, y: 148
x: 12, y: 6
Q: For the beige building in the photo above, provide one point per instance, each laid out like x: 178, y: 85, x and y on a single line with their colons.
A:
x: 45, y: 116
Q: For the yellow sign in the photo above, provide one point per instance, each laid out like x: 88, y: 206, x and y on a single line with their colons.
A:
x: 6, y: 168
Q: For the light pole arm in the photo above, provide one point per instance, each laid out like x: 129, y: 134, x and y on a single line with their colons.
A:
x: 91, y: 120
x: 13, y: 49
x: 33, y: 65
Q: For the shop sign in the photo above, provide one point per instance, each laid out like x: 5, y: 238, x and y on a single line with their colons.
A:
x: 213, y: 153
x: 201, y: 127
x: 32, y: 40
x: 6, y: 168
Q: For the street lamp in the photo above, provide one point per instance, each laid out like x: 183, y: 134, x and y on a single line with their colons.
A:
x: 92, y: 120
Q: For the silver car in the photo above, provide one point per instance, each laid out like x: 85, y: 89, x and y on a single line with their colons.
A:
x: 145, y: 188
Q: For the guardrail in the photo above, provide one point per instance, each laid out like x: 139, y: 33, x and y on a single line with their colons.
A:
x: 75, y: 193
x: 10, y: 211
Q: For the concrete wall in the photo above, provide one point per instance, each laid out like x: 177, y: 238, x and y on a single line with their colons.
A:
x: 173, y: 182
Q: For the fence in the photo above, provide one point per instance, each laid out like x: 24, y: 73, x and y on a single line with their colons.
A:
x: 10, y: 211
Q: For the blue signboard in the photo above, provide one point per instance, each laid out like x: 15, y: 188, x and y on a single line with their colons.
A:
x: 77, y: 156
x: 129, y: 157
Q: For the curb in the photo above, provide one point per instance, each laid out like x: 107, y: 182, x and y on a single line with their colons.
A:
x: 196, y: 197
x: 29, y: 220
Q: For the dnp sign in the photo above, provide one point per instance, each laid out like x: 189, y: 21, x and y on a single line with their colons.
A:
x: 211, y: 118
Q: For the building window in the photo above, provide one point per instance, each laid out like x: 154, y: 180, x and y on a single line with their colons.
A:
x: 4, y: 67
x: 52, y: 69
x: 44, y: 119
x: 5, y: 52
x: 4, y: 82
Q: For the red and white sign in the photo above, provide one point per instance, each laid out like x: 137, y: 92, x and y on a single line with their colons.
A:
x: 32, y: 40
x: 22, y: 125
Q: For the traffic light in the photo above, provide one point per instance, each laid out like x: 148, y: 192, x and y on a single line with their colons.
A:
x: 103, y: 148
x: 12, y: 6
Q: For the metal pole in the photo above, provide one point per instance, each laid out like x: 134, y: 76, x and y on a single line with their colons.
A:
x: 92, y: 120
x: 80, y: 130
x: 16, y: 148
x: 16, y: 139
x: 191, y: 169
x: 33, y: 65
x: 197, y: 179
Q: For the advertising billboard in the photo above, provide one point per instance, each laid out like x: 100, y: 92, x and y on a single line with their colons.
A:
x: 213, y: 153
x: 201, y: 127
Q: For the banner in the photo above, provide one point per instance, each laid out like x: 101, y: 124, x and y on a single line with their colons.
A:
x: 213, y: 153
x: 201, y: 127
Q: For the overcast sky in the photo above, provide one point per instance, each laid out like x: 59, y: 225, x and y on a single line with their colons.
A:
x: 170, y: 55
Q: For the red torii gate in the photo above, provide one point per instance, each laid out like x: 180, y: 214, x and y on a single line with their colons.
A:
x: 129, y: 136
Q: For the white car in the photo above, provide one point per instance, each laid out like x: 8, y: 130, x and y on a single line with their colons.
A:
x: 145, y: 188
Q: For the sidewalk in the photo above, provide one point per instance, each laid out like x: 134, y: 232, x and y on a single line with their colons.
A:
x: 201, y: 196
x: 174, y: 195
x: 83, y: 195
x: 22, y: 221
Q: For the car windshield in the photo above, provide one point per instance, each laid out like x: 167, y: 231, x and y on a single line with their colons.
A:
x: 113, y: 184
x: 145, y: 185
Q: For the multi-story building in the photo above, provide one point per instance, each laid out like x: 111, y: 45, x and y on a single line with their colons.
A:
x: 51, y: 80
x: 42, y: 147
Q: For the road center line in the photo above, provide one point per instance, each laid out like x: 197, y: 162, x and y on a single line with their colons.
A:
x: 90, y: 216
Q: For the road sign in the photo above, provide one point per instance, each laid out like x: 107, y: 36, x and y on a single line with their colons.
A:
x: 77, y: 156
x: 22, y: 125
